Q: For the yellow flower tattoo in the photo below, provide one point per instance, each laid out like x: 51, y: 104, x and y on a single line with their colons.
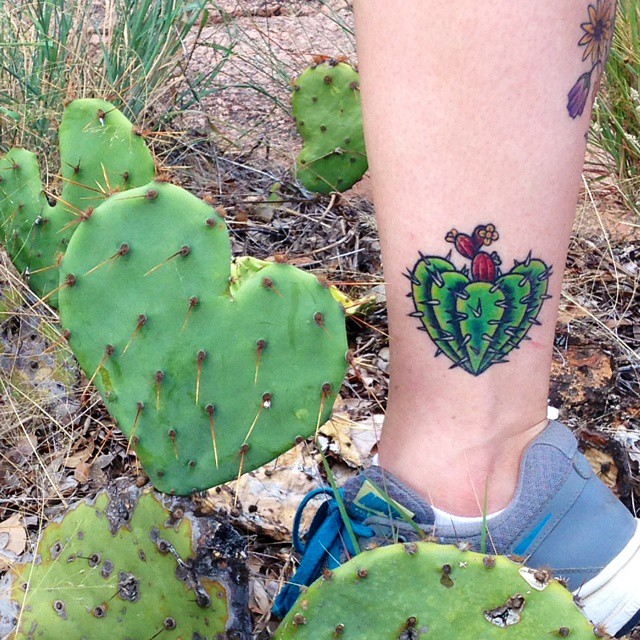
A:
x: 598, y: 31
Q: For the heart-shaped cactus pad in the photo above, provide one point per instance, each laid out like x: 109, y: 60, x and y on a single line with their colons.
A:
x: 477, y: 316
x: 209, y: 372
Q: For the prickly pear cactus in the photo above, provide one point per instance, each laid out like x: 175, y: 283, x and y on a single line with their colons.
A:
x: 423, y: 590
x: 208, y: 378
x: 100, y: 153
x: 326, y: 106
x: 477, y: 316
x: 131, y: 565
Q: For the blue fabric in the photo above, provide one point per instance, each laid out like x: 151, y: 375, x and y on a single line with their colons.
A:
x: 327, y: 542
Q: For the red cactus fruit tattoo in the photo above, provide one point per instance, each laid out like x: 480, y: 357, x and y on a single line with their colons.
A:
x: 463, y: 243
x: 483, y: 267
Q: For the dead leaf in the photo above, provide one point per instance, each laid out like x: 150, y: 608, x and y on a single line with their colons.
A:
x: 268, y: 497
x: 580, y: 374
x: 82, y: 472
x: 351, y: 305
x: 351, y: 441
x: 81, y: 456
x: 260, y: 602
x: 335, y: 438
x: 13, y: 540
x: 27, y: 445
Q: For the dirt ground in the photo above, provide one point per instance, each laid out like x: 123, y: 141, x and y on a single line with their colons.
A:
x: 58, y: 446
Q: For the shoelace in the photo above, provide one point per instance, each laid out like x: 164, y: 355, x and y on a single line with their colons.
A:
x: 327, y: 539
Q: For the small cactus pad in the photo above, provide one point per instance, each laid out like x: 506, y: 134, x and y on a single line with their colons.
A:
x: 477, y: 316
x: 100, y: 153
x: 208, y: 378
x: 326, y: 106
x: 132, y: 565
x: 418, y: 591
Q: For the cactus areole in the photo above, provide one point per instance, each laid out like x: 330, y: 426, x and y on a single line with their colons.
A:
x: 209, y: 373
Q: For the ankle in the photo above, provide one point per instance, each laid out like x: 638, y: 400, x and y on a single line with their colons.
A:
x: 461, y: 478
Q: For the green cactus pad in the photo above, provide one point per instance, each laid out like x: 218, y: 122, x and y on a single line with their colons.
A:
x: 180, y: 353
x: 419, y: 591
x: 131, y: 565
x: 326, y: 106
x: 100, y: 153
x: 477, y: 324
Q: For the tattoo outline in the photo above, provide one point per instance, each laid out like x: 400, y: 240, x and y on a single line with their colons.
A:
x: 478, y: 314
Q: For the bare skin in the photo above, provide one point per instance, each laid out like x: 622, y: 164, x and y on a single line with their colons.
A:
x: 466, y: 123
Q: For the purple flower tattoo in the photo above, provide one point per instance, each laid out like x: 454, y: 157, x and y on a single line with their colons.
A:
x: 579, y: 94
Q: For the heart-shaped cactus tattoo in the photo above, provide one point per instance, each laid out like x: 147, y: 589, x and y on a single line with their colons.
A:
x: 477, y: 315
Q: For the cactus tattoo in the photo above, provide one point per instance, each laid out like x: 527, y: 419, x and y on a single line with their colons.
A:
x: 477, y: 315
x: 597, y: 33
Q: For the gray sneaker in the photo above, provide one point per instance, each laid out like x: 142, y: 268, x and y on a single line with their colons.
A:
x: 562, y: 517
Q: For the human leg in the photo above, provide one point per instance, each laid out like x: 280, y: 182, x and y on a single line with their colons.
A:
x: 467, y: 123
